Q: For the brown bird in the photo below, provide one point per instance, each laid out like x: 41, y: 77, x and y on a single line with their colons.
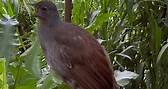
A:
x: 72, y: 52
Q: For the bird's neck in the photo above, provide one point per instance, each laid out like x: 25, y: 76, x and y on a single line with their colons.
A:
x: 50, y: 22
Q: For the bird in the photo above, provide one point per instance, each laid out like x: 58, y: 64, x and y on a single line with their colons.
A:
x: 72, y: 52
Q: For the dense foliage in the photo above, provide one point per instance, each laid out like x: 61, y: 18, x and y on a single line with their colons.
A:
x: 134, y: 33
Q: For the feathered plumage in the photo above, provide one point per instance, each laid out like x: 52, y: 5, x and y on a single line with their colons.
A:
x: 72, y: 52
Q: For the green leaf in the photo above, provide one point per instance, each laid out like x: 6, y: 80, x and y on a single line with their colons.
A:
x: 100, y: 19
x: 49, y: 81
x: 9, y: 8
x: 24, y: 79
x: 32, y: 59
x: 163, y: 49
x: 156, y: 33
x: 3, y: 78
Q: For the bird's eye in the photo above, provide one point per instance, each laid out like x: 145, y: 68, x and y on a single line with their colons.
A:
x: 44, y: 8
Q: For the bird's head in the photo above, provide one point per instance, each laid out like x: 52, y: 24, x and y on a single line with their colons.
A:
x: 46, y: 10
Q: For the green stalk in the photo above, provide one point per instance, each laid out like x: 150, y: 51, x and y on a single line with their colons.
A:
x: 3, y: 78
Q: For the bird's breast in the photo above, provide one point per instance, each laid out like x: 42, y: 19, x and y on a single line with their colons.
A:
x: 56, y: 57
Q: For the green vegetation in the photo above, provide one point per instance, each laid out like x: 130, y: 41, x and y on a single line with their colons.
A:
x: 3, y: 78
x: 134, y: 33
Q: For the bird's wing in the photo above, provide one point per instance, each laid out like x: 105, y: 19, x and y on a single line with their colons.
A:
x: 89, y: 65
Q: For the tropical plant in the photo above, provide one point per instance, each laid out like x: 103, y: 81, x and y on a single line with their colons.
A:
x: 134, y: 33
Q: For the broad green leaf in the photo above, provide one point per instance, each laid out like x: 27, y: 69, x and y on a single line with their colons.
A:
x: 24, y: 79
x: 32, y: 59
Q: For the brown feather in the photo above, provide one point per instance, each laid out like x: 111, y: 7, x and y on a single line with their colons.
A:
x: 74, y: 54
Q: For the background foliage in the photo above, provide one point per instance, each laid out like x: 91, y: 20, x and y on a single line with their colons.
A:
x: 134, y: 33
